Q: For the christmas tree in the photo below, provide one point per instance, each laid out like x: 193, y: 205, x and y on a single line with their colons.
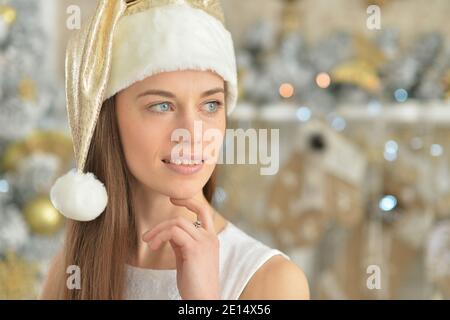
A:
x: 33, y: 150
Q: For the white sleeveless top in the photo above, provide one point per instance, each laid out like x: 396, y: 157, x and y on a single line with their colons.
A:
x: 240, y: 256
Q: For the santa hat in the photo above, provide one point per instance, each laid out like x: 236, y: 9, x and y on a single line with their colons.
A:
x: 125, y: 42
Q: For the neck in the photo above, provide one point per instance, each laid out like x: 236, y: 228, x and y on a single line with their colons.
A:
x: 150, y: 209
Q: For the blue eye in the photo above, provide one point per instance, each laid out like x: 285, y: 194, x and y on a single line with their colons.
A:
x: 160, y: 107
x: 212, y: 106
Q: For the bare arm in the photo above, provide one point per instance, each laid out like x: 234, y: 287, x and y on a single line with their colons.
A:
x: 277, y: 279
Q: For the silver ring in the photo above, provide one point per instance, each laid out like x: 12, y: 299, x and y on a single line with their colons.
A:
x: 197, y: 224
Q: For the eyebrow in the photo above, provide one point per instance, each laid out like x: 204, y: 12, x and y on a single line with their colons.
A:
x: 168, y: 94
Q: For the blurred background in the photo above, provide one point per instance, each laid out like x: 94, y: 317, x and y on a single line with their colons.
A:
x: 360, y: 91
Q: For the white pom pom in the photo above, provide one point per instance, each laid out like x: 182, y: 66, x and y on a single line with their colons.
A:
x: 79, y: 196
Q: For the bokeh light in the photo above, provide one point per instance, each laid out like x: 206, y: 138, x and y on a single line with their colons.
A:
x: 436, y: 150
x: 323, y: 80
x: 401, y: 95
x: 388, y: 203
x: 390, y: 150
x: 286, y: 90
x: 338, y: 123
x: 303, y: 114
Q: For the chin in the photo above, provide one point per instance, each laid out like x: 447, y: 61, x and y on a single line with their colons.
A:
x: 179, y: 192
x: 183, y: 187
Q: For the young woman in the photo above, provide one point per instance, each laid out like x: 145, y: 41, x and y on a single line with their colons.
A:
x: 140, y: 223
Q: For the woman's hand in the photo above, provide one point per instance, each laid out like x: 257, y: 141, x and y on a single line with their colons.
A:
x: 196, y: 250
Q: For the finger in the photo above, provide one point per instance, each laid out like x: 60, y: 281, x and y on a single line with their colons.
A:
x: 201, y: 208
x: 180, y: 221
x: 175, y: 233
x: 150, y: 233
x: 178, y: 254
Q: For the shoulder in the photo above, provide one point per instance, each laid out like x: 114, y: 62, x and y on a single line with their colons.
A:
x: 52, y: 282
x: 278, y: 278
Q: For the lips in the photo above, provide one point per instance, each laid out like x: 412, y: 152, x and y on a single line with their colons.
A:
x: 183, y: 162
x: 184, y: 166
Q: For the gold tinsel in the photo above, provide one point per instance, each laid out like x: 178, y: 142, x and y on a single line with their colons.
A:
x: 17, y: 277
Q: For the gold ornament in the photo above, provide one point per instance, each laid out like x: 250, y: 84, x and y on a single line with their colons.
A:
x: 8, y: 14
x: 362, y: 70
x: 27, y: 90
x: 16, y: 278
x: 42, y: 217
x: 358, y: 73
x: 39, y: 141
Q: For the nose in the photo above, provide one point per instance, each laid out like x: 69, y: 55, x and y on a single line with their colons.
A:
x: 191, y: 129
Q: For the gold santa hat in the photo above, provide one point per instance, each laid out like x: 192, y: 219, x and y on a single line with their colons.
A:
x: 125, y: 42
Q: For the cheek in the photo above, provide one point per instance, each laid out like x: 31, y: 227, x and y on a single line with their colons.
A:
x: 140, y: 143
x: 213, y: 135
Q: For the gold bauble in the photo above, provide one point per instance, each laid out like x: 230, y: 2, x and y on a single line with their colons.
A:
x: 8, y: 14
x: 42, y: 217
x: 12, y: 155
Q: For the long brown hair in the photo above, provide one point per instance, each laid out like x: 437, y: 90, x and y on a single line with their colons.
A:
x: 100, y: 248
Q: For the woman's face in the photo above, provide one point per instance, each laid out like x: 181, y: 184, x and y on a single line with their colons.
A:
x: 150, y: 111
